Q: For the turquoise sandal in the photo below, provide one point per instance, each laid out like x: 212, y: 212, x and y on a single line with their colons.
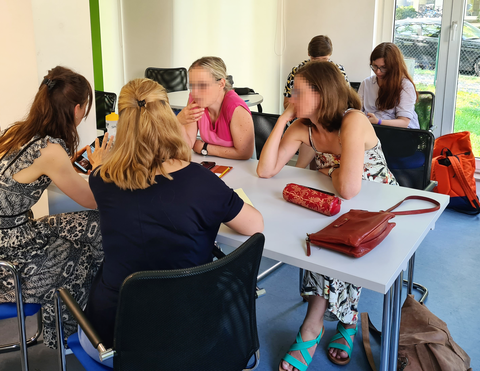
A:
x: 346, y: 334
x: 302, y: 346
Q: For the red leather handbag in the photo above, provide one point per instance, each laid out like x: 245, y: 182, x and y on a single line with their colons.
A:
x: 358, y: 232
x: 323, y: 202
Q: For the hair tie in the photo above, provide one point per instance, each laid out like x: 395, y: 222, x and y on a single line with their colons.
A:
x: 50, y: 83
x: 141, y: 103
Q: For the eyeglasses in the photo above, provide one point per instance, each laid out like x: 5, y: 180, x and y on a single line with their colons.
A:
x: 375, y: 68
x: 201, y: 85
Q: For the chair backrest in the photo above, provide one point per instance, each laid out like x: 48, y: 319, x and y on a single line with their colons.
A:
x: 355, y: 85
x: 202, y: 318
x: 104, y: 105
x: 408, y: 153
x: 263, y: 125
x: 172, y: 79
x: 425, y: 108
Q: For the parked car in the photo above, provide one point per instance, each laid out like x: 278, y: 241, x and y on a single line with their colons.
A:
x: 418, y: 38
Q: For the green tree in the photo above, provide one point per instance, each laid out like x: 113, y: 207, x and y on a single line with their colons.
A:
x: 403, y: 12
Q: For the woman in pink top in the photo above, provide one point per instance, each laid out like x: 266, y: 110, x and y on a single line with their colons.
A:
x: 222, y: 117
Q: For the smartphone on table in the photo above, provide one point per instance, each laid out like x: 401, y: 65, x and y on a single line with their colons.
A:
x: 82, y: 162
x: 208, y: 164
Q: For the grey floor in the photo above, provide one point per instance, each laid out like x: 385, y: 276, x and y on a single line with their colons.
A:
x: 446, y: 262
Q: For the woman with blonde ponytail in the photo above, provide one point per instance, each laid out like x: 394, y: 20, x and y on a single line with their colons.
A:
x: 157, y: 210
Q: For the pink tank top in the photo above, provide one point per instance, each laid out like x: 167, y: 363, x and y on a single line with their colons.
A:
x: 219, y: 134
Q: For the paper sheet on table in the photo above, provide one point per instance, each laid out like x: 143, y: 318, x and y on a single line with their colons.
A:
x: 240, y: 192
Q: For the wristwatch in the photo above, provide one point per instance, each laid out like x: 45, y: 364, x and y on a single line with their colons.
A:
x: 204, y: 149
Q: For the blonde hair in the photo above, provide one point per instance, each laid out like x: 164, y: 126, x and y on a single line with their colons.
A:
x: 148, y: 134
x: 216, y: 66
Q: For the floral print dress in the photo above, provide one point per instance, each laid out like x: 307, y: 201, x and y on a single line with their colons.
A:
x: 55, y: 251
x: 343, y: 297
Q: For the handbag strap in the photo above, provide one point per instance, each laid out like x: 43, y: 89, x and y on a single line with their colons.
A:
x: 367, y: 325
x: 419, y: 211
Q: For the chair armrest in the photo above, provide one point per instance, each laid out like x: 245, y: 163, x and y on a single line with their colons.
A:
x: 84, y: 323
x: 431, y: 186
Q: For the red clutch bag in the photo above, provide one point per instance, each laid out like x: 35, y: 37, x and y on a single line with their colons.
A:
x: 313, y: 199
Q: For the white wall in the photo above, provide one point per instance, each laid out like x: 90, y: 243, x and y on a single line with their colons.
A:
x: 18, y: 69
x: 241, y: 32
x: 18, y: 65
x: 112, y: 45
x: 260, y: 41
x: 147, y: 35
x: 349, y: 24
x: 63, y: 37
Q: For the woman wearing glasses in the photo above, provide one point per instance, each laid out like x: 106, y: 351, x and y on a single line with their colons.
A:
x: 389, y: 96
x: 222, y: 117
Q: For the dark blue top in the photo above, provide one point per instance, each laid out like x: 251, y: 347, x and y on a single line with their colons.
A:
x: 171, y: 224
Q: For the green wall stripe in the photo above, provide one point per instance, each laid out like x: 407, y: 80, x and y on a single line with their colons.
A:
x: 96, y: 44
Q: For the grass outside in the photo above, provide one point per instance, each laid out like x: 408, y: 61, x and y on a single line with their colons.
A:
x: 467, y: 112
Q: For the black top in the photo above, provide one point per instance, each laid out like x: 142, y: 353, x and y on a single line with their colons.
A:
x: 169, y: 225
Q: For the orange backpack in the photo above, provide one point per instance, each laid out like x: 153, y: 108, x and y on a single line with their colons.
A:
x: 453, y: 166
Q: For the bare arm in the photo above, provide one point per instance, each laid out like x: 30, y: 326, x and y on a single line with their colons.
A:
x: 188, y: 118
x: 54, y: 163
x: 286, y: 102
x: 241, y: 128
x: 401, y: 122
x: 248, y: 221
x: 277, y: 151
x: 305, y: 156
x: 356, y: 135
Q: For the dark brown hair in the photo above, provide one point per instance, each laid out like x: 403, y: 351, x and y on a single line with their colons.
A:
x: 52, y: 112
x: 336, y: 95
x: 389, y: 92
x: 320, y: 46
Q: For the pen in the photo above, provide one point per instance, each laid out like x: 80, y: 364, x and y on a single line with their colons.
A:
x: 222, y: 174
x: 247, y: 100
x: 319, y: 190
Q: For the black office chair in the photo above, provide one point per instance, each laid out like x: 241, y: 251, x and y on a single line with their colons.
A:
x: 105, y: 104
x: 409, y: 157
x: 424, y: 108
x: 200, y: 318
x: 263, y: 124
x: 355, y: 85
x: 11, y: 310
x: 172, y: 79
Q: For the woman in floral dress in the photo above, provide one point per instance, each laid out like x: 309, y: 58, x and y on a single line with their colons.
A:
x: 344, y: 145
x: 55, y: 251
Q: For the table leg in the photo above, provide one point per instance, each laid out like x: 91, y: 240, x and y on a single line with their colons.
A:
x: 386, y: 327
x: 411, y: 267
x: 396, y: 314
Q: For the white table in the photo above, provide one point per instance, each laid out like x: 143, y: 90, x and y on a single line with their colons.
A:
x: 179, y: 99
x: 286, y: 226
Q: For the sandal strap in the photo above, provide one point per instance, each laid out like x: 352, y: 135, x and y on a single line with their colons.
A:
x: 295, y: 362
x: 302, y: 346
x: 346, y: 334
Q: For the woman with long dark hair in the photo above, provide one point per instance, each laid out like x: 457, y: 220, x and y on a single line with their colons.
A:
x: 55, y: 251
x: 389, y: 96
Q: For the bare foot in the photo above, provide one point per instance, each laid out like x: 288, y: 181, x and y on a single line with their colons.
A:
x: 308, y: 333
x: 339, y: 354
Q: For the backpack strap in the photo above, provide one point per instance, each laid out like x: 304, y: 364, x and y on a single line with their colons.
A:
x: 419, y: 211
x: 457, y: 168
